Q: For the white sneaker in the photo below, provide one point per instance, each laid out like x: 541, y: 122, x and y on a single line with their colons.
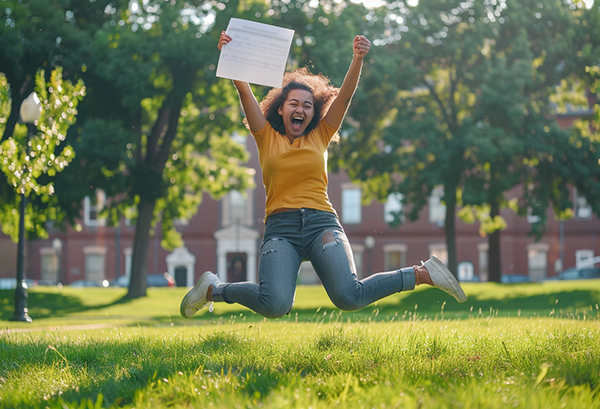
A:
x: 443, y: 279
x: 196, y: 299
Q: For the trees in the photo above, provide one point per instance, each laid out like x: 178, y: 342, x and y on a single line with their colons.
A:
x: 29, y: 155
x: 150, y: 135
x: 40, y: 35
x: 466, y: 108
x: 29, y: 161
x: 154, y: 98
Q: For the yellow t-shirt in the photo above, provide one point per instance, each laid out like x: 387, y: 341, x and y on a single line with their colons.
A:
x: 295, y: 175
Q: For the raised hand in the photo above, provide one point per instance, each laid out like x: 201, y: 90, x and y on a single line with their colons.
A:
x: 361, y: 46
x: 224, y: 39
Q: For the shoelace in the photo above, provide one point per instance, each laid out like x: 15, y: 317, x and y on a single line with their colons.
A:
x: 209, y: 304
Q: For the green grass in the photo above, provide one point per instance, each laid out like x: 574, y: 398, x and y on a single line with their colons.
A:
x: 524, y: 346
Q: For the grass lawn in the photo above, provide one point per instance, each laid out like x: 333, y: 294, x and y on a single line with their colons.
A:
x: 525, y: 346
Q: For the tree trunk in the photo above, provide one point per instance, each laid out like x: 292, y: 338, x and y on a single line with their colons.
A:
x: 494, y: 267
x: 141, y: 243
x: 450, y: 227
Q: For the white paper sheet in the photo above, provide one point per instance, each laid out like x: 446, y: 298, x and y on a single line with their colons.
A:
x: 257, y: 53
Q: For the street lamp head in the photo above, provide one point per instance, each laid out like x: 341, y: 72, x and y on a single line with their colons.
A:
x: 57, y: 245
x: 31, y: 109
x: 370, y: 242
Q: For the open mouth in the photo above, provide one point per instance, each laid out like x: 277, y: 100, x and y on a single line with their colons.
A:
x: 297, y: 121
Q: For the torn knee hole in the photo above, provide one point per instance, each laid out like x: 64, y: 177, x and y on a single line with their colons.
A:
x: 271, y: 250
x: 329, y: 238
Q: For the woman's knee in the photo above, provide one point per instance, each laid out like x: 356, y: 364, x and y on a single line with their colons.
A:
x: 276, y: 307
x: 346, y: 301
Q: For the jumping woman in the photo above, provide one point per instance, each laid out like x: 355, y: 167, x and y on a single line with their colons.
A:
x: 293, y: 127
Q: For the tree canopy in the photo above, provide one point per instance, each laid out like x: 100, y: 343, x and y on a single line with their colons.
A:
x: 466, y: 105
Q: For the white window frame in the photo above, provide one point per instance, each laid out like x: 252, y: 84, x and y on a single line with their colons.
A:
x: 440, y: 250
x: 532, y: 218
x: 437, y: 210
x: 537, y: 253
x: 360, y: 259
x: 482, y: 250
x: 95, y: 251
x: 227, y: 212
x: 582, y: 209
x: 581, y: 256
x: 392, y: 205
x: 399, y: 248
x: 89, y: 209
x: 351, y: 204
x: 48, y: 264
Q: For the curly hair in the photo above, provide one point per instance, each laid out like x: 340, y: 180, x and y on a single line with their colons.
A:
x: 323, y: 93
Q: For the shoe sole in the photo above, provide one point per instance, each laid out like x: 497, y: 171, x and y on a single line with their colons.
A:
x: 447, y: 276
x: 192, y: 291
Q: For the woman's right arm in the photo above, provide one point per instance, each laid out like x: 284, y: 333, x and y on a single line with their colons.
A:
x: 254, y: 116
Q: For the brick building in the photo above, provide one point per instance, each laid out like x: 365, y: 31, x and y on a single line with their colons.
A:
x: 225, y: 236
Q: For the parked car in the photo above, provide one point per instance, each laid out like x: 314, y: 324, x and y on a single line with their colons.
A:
x: 575, y: 273
x: 152, y: 280
x: 84, y: 283
x: 11, y: 283
x: 514, y: 279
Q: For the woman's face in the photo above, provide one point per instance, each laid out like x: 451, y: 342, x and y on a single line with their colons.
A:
x: 297, y: 112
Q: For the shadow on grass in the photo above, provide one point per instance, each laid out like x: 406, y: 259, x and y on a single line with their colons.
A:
x: 486, y: 300
x: 51, y: 304
x: 434, y: 304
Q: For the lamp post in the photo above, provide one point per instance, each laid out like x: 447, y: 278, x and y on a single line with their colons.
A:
x: 369, y: 244
x: 30, y: 112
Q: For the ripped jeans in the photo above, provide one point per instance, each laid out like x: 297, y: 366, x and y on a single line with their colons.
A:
x: 308, y: 234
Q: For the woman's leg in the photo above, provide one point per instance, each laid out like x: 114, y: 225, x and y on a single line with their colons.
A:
x: 279, y: 262
x: 331, y: 256
x: 273, y: 297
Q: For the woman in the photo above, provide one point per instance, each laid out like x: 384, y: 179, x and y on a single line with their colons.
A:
x: 293, y: 127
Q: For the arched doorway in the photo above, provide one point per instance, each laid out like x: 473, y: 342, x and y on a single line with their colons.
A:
x: 236, y: 267
x: 180, y: 265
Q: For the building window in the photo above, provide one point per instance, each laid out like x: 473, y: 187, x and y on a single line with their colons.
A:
x: 582, y: 209
x: 307, y: 274
x: 95, y: 261
x: 583, y: 257
x: 358, y: 251
x: 351, y: 204
x: 437, y: 210
x: 128, y: 252
x: 394, y: 256
x: 482, y: 249
x: 466, y: 271
x: 440, y: 251
x: 532, y: 218
x: 393, y: 206
x: 182, y: 221
x: 92, y: 206
x: 49, y: 266
x: 237, y: 208
x: 537, y: 260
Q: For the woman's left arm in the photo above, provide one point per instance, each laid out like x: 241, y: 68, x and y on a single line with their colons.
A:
x: 339, y: 106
